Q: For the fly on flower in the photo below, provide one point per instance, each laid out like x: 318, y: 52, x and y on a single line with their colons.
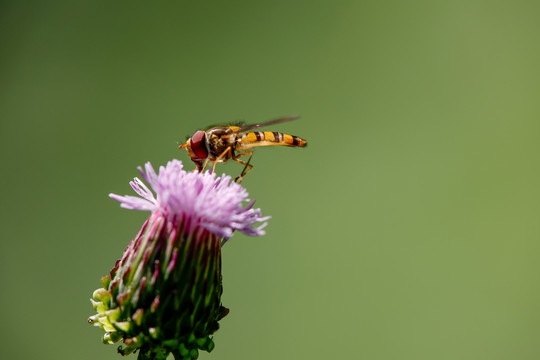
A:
x: 221, y: 143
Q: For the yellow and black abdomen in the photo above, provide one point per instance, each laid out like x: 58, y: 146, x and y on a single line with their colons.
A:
x: 267, y: 138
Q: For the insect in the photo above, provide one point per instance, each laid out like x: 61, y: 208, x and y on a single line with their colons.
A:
x: 221, y: 143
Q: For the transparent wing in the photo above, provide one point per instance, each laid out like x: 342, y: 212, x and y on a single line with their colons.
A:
x: 271, y: 122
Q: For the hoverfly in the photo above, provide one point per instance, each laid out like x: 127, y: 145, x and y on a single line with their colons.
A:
x: 221, y: 143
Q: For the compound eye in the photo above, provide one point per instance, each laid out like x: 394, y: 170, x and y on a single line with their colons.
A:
x: 198, y: 144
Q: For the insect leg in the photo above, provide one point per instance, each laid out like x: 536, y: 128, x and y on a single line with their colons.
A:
x: 224, y: 155
x: 204, y: 165
x: 247, y: 165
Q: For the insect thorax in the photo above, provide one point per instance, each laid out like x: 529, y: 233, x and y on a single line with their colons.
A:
x: 219, y: 139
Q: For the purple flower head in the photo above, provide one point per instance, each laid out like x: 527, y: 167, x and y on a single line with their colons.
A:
x: 163, y: 296
x: 195, y: 200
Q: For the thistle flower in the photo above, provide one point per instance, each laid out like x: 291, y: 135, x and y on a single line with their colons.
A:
x: 164, y: 295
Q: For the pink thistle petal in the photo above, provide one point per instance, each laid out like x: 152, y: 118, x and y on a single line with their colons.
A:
x: 133, y: 202
x: 195, y: 199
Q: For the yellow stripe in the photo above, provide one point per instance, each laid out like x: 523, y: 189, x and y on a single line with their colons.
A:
x: 250, y: 137
x: 288, y: 139
x: 269, y: 136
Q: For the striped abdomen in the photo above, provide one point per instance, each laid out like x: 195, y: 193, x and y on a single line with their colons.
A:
x: 267, y: 138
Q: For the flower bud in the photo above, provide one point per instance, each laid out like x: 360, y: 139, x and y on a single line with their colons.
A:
x: 164, y: 295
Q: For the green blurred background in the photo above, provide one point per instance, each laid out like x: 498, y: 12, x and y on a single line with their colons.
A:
x: 407, y: 229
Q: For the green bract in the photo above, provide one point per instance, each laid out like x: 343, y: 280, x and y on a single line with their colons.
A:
x: 164, y: 294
